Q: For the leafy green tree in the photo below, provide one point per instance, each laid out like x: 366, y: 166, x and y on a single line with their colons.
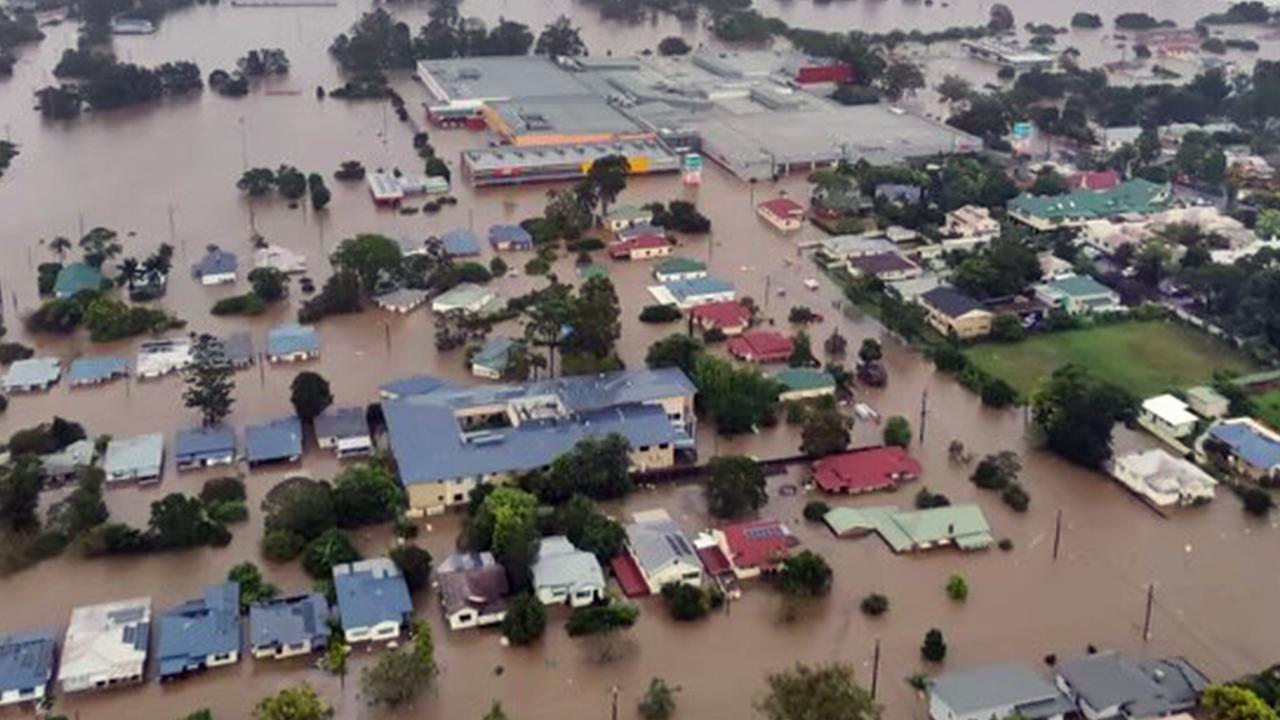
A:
x: 507, y: 524
x: 595, y: 319
x: 673, y: 45
x: 606, y: 179
x: 547, y: 317
x: 320, y: 195
x: 735, y: 486
x: 870, y: 351
x: 269, y: 284
x: 826, y: 431
x: 902, y: 78
x: 414, y: 564
x: 957, y: 588
x: 202, y: 714
x: 589, y: 529
x: 1077, y: 412
x: 296, y: 703
x: 685, y: 602
x: 20, y: 485
x: 332, y: 547
x: 100, y: 245
x: 301, y: 506
x: 209, y: 382
x: 875, y: 605
x: 399, y: 676
x: 310, y: 394
x: 253, y: 588
x: 59, y: 247
x: 371, y: 257
x: 805, y: 574
x: 1050, y: 182
x: 934, y: 648
x: 525, y: 621
x: 82, y: 509
x: 1233, y: 702
x: 954, y: 89
x: 257, y: 182
x: 1268, y: 225
x: 806, y: 692
x: 179, y: 521
x: 738, y: 399
x: 897, y: 432
x: 997, y: 471
x: 816, y: 510
x: 601, y: 619
x: 801, y: 351
x: 599, y: 468
x: 366, y: 494
x: 496, y: 712
x: 560, y: 39
x: 291, y: 183
x: 282, y: 545
x: 659, y: 701
x: 678, y: 350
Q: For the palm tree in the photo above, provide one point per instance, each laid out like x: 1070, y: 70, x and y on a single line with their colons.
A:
x: 60, y: 245
x: 129, y: 270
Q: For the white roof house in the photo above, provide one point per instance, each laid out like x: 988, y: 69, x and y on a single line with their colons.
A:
x: 662, y: 551
x: 564, y: 574
x: 1163, y: 479
x: 161, y: 357
x: 32, y: 374
x: 280, y: 258
x: 138, y: 458
x: 106, y: 645
x: 1167, y: 416
x: 995, y: 691
x: 465, y: 297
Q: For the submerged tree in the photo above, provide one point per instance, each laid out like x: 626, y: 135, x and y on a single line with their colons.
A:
x: 829, y: 692
x: 209, y: 383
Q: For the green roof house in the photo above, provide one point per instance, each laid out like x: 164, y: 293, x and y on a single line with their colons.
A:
x: 1046, y: 212
x: 804, y: 383
x: 627, y: 216
x: 76, y: 278
x: 678, y: 268
x: 961, y: 525
x: 1078, y: 295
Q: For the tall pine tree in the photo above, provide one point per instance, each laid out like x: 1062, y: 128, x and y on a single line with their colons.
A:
x: 209, y: 383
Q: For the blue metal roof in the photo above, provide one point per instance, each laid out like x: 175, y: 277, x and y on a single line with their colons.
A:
x: 76, y: 278
x: 26, y: 660
x: 96, y: 369
x: 415, y: 385
x: 289, y: 621
x: 371, y: 592
x: 494, y: 353
x: 512, y: 235
x: 460, y: 242
x: 196, y: 629
x: 218, y: 262
x: 342, y: 423
x: 275, y: 440
x: 291, y: 339
x: 684, y: 289
x: 202, y: 442
x: 1248, y: 444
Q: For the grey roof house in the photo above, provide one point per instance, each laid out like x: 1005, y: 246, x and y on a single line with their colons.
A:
x: 995, y: 691
x: 200, y: 633
x: 26, y: 666
x: 344, y: 430
x: 96, y: 370
x: 473, y: 590
x: 661, y: 551
x: 491, y: 360
x: 218, y: 267
x: 373, y: 600
x: 1107, y: 685
x: 292, y: 343
x: 139, y: 458
x: 31, y: 375
x: 203, y: 447
x: 61, y: 466
x: 274, y: 441
x: 564, y: 574
x: 289, y: 626
x: 238, y: 349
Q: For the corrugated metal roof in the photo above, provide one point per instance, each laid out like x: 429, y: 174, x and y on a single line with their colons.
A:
x: 371, y: 592
x: 275, y: 440
x: 197, y: 629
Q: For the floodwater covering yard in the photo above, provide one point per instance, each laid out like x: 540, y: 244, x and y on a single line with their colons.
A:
x: 1145, y: 358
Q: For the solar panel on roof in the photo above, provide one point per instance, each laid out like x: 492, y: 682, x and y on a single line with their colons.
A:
x: 763, y: 533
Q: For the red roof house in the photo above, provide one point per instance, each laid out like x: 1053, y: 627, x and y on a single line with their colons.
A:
x: 784, y: 214
x: 865, y: 470
x: 640, y: 247
x: 1100, y: 180
x: 825, y: 73
x: 730, y: 317
x: 761, y: 346
x: 755, y: 547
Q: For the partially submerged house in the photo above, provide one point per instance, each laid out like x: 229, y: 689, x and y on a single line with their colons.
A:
x: 200, y: 633
x: 686, y: 294
x: 460, y: 243
x: 755, y: 547
x: 289, y: 626
x: 203, y: 447
x: 26, y: 666
x: 761, y: 346
x: 467, y: 298
x: 963, y: 526
x: 106, y: 645
x: 1207, y: 402
x: 729, y: 317
x: 641, y: 247
x: 784, y: 214
x: 1247, y: 446
x: 804, y: 384
x: 658, y: 554
x: 74, y: 279
x: 996, y: 691
x: 32, y: 375
x: 473, y: 590
x: 96, y: 370
x: 862, y: 471
x: 373, y: 600
x: 61, y: 466
x: 280, y: 258
x: 1163, y: 479
x: 292, y: 343
x: 491, y: 360
x: 622, y: 217
x: 679, y: 268
x: 885, y: 267
x: 401, y: 301
x: 563, y: 574
x: 1107, y: 685
x: 345, y: 431
x: 273, y: 442
x: 237, y: 348
x: 158, y: 358
x: 217, y: 267
x: 510, y: 237
x: 139, y: 458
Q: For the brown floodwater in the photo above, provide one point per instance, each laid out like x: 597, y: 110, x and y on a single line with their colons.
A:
x: 166, y: 173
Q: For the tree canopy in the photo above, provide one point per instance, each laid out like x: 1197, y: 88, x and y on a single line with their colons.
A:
x: 1077, y: 412
x: 735, y: 486
x: 805, y: 692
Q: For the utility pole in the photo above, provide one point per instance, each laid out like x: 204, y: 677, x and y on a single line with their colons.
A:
x: 1057, y: 535
x: 875, y: 670
x: 615, y: 702
x: 768, y: 285
x: 1146, y: 623
x: 924, y: 412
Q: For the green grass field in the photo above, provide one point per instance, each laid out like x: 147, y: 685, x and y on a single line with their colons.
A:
x: 1268, y: 405
x: 1145, y: 358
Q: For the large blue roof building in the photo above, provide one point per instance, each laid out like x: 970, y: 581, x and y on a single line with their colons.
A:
x: 373, y: 600
x: 200, y: 633
x: 26, y: 666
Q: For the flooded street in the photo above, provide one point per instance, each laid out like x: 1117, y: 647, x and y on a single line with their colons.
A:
x: 167, y: 172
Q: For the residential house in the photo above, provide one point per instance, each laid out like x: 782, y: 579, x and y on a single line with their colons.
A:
x: 412, y: 247
x: 76, y: 278
x: 1048, y: 212
x: 658, y: 554
x: 218, y: 267
x: 563, y: 574
x: 994, y: 692
x: 804, y: 384
x: 886, y: 267
x: 678, y: 268
x: 96, y: 370
x: 1167, y: 417
x: 413, y: 385
x: 962, y: 526
x: 835, y: 202
x: 1094, y: 180
x: 288, y: 626
x: 373, y: 600
x: 158, y: 358
x: 106, y: 645
x: 460, y: 243
x: 731, y: 318
x: 1163, y: 479
x: 1053, y: 267
x: 1107, y: 685
x: 290, y: 343
x: 280, y: 258
x: 273, y: 442
x: 345, y: 431
x: 464, y: 297
x: 491, y: 360
x: 755, y: 547
x: 401, y: 301
x: 968, y: 228
x: 761, y: 346
x: 26, y: 666
x: 641, y: 247
x: 1078, y: 295
x: 622, y: 217
x: 686, y: 294
x: 842, y: 248
x: 899, y: 194
x: 1248, y: 447
x: 203, y: 447
x: 237, y: 348
x: 1207, y: 402
x: 473, y: 590
x: 201, y: 633
x: 510, y: 237
x: 450, y: 439
x: 139, y: 458
x: 385, y: 189
x: 953, y: 313
x: 32, y: 375
x: 862, y: 471
x: 784, y: 214
x: 61, y: 467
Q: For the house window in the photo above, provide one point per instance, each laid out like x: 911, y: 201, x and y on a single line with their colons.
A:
x: 692, y: 575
